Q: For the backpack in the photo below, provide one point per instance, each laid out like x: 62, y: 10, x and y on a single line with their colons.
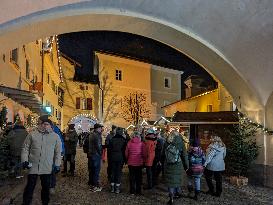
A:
x: 172, y: 154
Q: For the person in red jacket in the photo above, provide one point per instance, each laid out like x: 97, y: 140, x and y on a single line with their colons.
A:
x: 135, y: 154
x: 150, y: 145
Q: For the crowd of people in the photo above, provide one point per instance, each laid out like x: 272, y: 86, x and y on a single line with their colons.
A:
x: 159, y: 153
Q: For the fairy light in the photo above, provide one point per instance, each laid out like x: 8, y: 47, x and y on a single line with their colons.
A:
x: 260, y: 126
x: 88, y: 115
x: 59, y: 59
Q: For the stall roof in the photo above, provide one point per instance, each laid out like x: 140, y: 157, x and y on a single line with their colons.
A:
x: 25, y: 98
x: 222, y: 117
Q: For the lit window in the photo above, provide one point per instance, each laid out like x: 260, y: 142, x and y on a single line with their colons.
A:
x: 118, y: 75
x: 167, y: 82
x: 209, y: 108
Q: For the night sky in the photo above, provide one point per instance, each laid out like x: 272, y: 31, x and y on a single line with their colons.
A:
x: 80, y: 46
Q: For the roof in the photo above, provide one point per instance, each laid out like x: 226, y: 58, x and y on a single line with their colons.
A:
x: 25, y: 98
x: 190, y: 98
x: 222, y: 117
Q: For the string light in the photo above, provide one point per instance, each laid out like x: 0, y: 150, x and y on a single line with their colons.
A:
x: 88, y: 115
x: 59, y: 59
x: 260, y: 126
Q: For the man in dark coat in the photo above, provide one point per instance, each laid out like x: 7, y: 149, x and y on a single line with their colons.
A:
x: 15, y: 139
x: 70, y: 143
x: 94, y: 155
x: 107, y: 141
x: 116, y: 153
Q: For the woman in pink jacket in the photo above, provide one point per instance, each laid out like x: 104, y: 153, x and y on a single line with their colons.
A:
x: 135, y: 155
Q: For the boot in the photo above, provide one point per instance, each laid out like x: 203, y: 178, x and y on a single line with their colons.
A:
x: 170, y: 202
x: 196, y: 197
x: 117, y: 189
x: 112, y: 187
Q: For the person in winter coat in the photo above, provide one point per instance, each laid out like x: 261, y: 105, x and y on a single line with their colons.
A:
x: 15, y: 139
x: 116, y: 153
x: 53, y: 179
x: 107, y: 141
x: 157, y: 163
x: 95, y: 156
x: 150, y: 145
x: 196, y: 161
x: 215, y: 165
x: 70, y: 143
x: 41, y: 150
x: 135, y: 155
x: 173, y: 168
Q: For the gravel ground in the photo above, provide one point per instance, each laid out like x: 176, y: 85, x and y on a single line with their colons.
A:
x: 75, y: 191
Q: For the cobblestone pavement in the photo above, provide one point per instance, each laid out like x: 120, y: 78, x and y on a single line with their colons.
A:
x: 75, y: 191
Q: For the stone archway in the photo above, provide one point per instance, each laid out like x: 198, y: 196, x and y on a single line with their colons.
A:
x: 225, y: 38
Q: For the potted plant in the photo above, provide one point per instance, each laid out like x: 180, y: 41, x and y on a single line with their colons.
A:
x: 242, y: 150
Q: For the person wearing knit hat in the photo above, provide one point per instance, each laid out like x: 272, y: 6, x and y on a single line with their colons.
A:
x: 41, y: 154
x: 197, y: 160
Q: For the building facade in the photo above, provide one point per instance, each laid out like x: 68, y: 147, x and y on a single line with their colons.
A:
x: 211, y: 101
x: 79, y: 98
x: 27, y: 75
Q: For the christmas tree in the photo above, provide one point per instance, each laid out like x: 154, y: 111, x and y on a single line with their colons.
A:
x: 242, y: 149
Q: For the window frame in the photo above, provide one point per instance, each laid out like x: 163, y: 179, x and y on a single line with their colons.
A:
x: 118, y: 75
x: 169, y: 82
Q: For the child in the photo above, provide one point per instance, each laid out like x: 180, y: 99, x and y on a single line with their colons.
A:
x: 196, y: 161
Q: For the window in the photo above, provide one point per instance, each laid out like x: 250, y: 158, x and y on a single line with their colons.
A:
x: 78, y: 103
x: 166, y: 102
x: 89, y: 104
x: 167, y: 82
x: 27, y: 69
x: 84, y: 106
x: 14, y: 56
x: 209, y: 108
x: 48, y: 79
x: 118, y: 75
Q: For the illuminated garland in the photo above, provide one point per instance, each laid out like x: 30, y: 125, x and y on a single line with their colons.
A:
x: 259, y: 126
x: 59, y: 59
x: 83, y: 115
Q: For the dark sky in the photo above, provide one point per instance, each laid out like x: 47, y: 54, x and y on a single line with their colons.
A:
x: 80, y: 46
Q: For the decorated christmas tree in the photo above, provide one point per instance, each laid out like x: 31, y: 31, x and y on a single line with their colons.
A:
x: 242, y: 149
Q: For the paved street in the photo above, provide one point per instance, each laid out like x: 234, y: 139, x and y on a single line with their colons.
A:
x: 75, y: 191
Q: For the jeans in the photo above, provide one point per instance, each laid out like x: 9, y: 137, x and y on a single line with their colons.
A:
x: 31, y: 183
x: 116, y: 171
x: 95, y: 165
x: 69, y: 158
x: 174, y: 190
x: 135, y: 175
x: 218, y: 178
x: 196, y: 180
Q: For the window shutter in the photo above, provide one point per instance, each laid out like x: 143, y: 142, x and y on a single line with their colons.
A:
x: 89, y: 103
x: 78, y: 103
